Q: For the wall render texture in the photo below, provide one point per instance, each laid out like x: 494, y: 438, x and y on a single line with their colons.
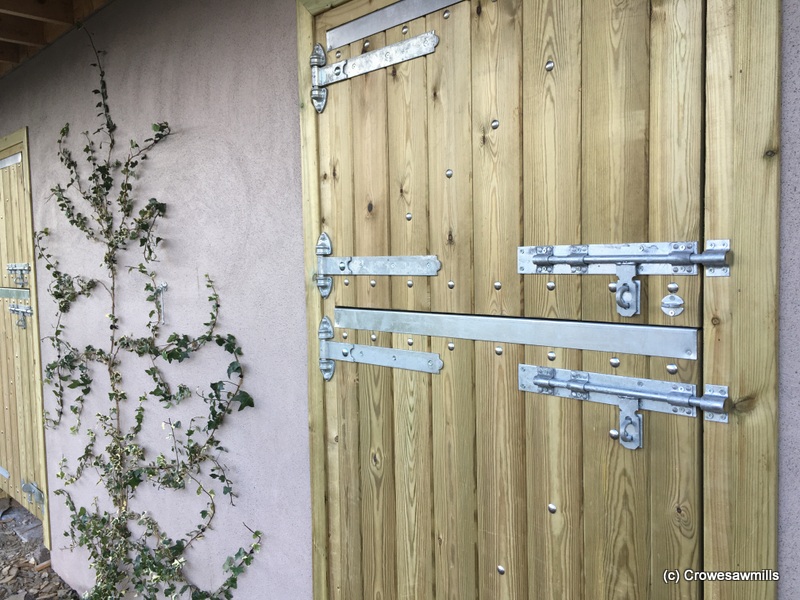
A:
x: 225, y: 79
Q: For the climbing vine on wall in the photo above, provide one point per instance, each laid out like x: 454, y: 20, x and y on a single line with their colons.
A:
x: 130, y: 552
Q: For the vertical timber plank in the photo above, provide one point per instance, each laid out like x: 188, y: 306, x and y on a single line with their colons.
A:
x: 497, y: 195
x: 453, y: 399
x: 615, y: 171
x: 408, y: 192
x: 676, y: 105
x: 740, y: 312
x: 552, y: 210
x: 311, y: 230
x: 341, y: 401
x: 371, y: 224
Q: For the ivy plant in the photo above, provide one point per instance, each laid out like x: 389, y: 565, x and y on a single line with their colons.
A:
x: 130, y: 552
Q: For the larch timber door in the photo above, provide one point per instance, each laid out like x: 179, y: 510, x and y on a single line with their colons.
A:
x: 541, y: 241
x: 23, y: 474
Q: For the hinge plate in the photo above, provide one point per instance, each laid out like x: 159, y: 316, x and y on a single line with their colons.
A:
x: 630, y: 394
x: 323, y: 75
x: 34, y: 493
x: 329, y: 266
x: 626, y: 261
x: 425, y: 362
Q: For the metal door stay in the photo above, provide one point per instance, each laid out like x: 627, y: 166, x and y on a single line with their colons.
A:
x: 646, y: 340
x: 629, y: 394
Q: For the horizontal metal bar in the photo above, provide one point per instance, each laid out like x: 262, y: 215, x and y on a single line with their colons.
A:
x: 408, y: 360
x: 15, y: 293
x: 4, y: 474
x: 647, y: 340
x: 379, y: 265
x: 14, y: 159
x: 20, y: 309
x: 381, y: 20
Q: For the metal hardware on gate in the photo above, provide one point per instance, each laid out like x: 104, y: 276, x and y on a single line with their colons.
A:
x: 33, y: 492
x: 408, y: 360
x: 15, y: 294
x: 647, y: 340
x: 19, y: 270
x: 630, y: 394
x: 381, y: 20
x: 328, y: 266
x: 160, y: 289
x: 626, y: 261
x: 8, y: 161
x: 23, y: 312
x: 4, y: 473
x: 672, y: 305
x: 322, y: 75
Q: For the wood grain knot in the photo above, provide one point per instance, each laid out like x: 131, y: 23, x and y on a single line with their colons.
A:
x: 746, y: 404
x: 715, y: 321
x: 370, y: 207
x: 770, y: 153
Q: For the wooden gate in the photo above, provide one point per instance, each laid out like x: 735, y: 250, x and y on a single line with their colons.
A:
x: 22, y: 451
x: 541, y: 123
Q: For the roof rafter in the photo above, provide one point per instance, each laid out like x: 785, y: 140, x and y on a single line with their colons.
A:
x: 49, y: 11
x: 21, y: 31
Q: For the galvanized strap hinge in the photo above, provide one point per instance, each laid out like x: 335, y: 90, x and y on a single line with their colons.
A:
x: 22, y: 311
x: 628, y: 393
x: 19, y: 271
x: 34, y: 493
x: 323, y: 75
x: 408, y: 360
x: 328, y: 266
x: 627, y: 261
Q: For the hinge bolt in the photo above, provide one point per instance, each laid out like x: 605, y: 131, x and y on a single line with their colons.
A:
x: 552, y: 508
x: 614, y: 362
x: 613, y: 434
x: 551, y: 356
x: 551, y: 285
x: 549, y: 65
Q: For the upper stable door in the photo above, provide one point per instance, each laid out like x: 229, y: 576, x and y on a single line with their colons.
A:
x: 512, y: 258
x: 22, y: 453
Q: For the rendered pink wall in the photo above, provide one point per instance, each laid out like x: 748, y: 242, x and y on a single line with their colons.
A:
x: 225, y: 77
x: 789, y: 365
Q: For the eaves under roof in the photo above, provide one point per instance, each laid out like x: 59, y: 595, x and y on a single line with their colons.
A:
x: 27, y: 26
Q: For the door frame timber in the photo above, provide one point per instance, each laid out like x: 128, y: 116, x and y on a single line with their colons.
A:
x: 19, y: 139
x: 740, y: 325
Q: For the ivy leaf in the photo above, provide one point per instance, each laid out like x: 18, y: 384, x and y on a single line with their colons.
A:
x: 234, y: 367
x: 244, y: 399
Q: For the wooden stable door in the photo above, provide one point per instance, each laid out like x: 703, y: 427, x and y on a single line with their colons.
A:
x: 23, y: 474
x: 540, y: 133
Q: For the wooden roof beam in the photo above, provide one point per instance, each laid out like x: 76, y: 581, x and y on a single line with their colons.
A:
x: 49, y: 11
x: 21, y: 31
x: 9, y: 53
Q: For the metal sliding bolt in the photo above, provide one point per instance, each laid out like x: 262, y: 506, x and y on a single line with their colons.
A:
x: 614, y: 362
x: 552, y: 508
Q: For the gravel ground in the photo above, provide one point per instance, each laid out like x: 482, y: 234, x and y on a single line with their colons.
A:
x: 24, y: 561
